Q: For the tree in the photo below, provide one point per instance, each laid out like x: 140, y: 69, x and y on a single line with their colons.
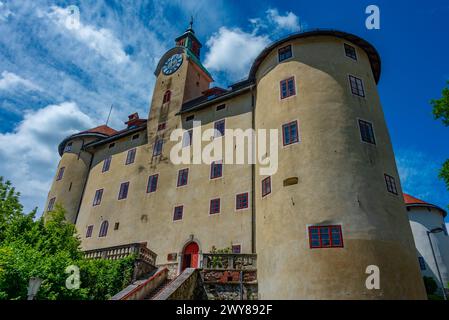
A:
x: 441, y: 107
x: 441, y: 112
x: 10, y: 207
x: 32, y: 247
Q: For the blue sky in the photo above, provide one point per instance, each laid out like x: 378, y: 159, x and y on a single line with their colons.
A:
x: 55, y: 81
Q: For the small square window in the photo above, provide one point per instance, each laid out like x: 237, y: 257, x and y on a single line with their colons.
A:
x: 106, y: 164
x: 266, y: 186
x: 190, y: 118
x: 422, y: 263
x: 350, y: 51
x: 287, y: 88
x: 68, y: 147
x: 89, y: 231
x: 183, y: 176
x: 60, y: 174
x: 214, y: 206
x: 356, y: 86
x: 290, y: 133
x: 391, y: 184
x: 130, y: 156
x: 112, y: 145
x: 177, y: 213
x: 97, y: 197
x: 152, y: 183
x: 241, y: 201
x: 367, y: 132
x: 219, y: 127
x: 325, y: 237
x: 236, y: 249
x: 116, y: 225
x: 123, y: 193
x: 157, y: 150
x: 221, y: 107
x: 136, y: 136
x: 285, y: 53
x: 216, y: 170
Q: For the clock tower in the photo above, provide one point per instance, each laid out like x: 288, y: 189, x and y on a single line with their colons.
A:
x: 180, y: 77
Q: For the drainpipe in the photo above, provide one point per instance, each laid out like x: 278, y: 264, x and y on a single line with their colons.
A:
x: 241, y: 284
x: 253, y: 177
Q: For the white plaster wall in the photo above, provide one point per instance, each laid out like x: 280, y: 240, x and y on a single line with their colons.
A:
x: 421, y: 221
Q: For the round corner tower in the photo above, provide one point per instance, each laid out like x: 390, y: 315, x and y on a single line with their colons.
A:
x: 334, y: 206
x: 72, y: 171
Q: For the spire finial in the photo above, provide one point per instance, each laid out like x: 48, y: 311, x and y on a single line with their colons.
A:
x: 191, y: 23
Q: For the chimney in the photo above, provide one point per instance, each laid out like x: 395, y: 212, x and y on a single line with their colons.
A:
x: 133, y: 120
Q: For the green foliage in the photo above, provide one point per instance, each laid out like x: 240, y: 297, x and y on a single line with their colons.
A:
x: 430, y: 284
x: 441, y: 107
x: 45, y: 248
x: 444, y: 173
x: 104, y: 278
x: 441, y: 111
x: 217, y: 261
x: 10, y: 206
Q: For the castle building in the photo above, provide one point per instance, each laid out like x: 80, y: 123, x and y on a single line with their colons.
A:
x: 333, y: 207
x: 431, y: 239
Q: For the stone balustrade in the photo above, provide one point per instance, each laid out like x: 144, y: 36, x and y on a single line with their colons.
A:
x: 229, y: 261
x: 118, y: 252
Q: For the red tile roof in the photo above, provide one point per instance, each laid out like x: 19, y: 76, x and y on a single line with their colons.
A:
x: 104, y: 129
x: 408, y: 199
x: 412, y: 201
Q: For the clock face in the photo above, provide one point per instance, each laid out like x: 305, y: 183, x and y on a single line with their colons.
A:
x: 172, y: 64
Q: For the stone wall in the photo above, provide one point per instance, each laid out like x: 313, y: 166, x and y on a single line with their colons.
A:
x: 231, y: 291
x: 230, y: 276
x: 172, y: 269
x: 187, y: 286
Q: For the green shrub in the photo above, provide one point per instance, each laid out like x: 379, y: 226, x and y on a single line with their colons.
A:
x: 44, y: 249
x: 430, y: 284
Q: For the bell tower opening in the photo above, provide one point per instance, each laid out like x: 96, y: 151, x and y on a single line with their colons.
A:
x: 189, y: 40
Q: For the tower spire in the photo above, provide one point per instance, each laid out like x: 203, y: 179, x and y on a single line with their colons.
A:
x: 189, y: 40
x: 191, y: 23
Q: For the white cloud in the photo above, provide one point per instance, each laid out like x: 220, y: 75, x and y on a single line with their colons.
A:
x: 289, y: 22
x: 233, y: 50
x: 11, y: 81
x: 109, y: 59
x: 419, y: 176
x: 28, y: 155
x: 4, y: 12
x: 101, y: 40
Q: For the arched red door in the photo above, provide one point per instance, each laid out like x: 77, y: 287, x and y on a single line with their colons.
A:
x: 190, y: 256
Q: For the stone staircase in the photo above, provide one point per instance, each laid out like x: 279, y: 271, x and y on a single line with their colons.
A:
x: 158, y: 289
x: 222, y: 277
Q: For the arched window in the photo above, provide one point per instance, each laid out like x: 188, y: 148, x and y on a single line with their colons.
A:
x: 167, y: 96
x: 104, y: 229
